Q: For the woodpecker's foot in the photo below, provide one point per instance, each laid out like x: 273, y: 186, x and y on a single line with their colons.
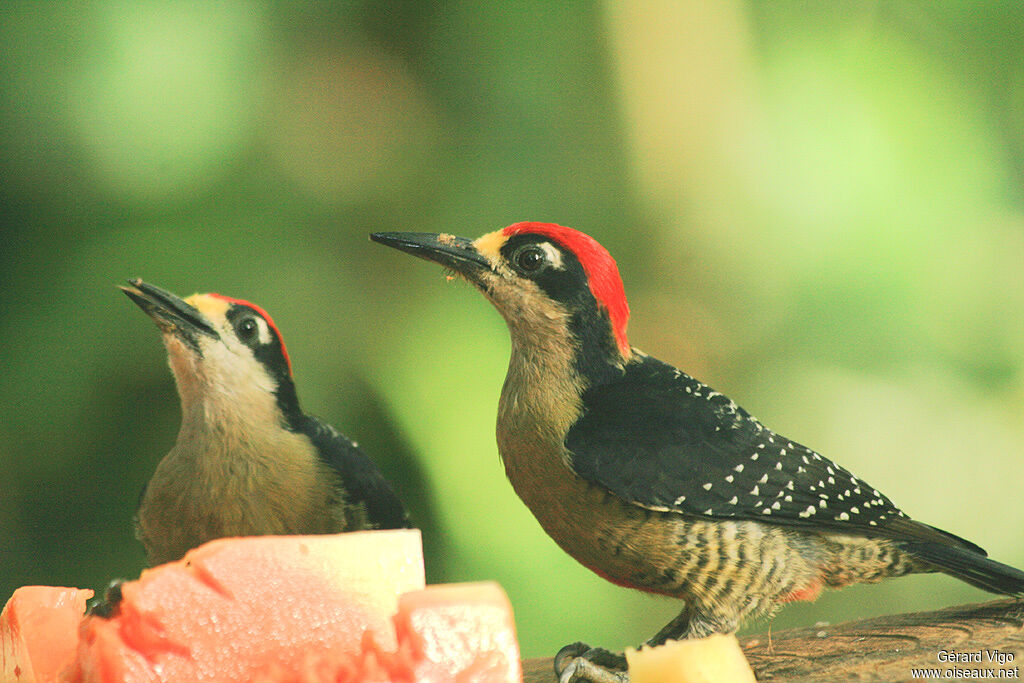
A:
x: 110, y: 603
x: 580, y: 662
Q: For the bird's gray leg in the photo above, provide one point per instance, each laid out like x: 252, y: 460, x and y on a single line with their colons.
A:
x: 673, y: 630
x: 579, y: 662
x: 692, y: 622
x: 108, y: 605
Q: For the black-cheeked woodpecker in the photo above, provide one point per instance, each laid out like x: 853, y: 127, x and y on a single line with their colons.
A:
x: 654, y: 480
x: 247, y: 460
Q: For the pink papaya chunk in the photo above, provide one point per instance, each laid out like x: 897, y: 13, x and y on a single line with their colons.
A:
x: 460, y: 632
x: 234, y: 607
x: 345, y: 608
x: 39, y: 632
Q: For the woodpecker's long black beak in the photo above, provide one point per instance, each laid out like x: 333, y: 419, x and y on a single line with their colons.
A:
x: 170, y: 312
x: 457, y: 253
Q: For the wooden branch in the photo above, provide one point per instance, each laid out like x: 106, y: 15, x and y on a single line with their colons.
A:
x: 883, y: 648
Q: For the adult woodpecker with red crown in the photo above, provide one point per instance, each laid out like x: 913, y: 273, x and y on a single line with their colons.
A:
x: 654, y: 480
x: 247, y: 460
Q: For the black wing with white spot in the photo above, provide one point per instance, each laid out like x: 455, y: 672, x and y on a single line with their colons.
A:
x: 662, y: 440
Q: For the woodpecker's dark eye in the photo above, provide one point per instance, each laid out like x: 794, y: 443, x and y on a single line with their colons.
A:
x: 529, y: 258
x: 248, y: 330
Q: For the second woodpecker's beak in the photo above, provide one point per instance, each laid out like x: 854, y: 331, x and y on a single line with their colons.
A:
x: 457, y: 253
x: 170, y: 312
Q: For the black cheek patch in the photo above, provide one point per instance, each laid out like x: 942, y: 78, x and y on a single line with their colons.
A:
x: 589, y: 322
x: 274, y: 358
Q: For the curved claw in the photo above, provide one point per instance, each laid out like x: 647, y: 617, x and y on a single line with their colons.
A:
x: 567, y: 654
x: 110, y: 603
x: 579, y: 662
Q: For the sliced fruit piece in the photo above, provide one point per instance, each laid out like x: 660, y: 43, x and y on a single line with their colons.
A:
x: 460, y: 632
x: 347, y: 608
x: 714, y: 659
x: 39, y: 632
x: 233, y: 607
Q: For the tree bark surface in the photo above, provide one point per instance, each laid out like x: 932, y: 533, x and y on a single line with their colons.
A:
x: 889, y: 648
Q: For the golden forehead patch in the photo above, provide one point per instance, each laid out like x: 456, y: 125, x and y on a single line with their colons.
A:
x: 489, y: 245
x: 214, y: 308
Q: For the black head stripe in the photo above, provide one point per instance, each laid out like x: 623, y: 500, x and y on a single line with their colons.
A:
x: 561, y: 275
x: 565, y: 282
x: 268, y: 348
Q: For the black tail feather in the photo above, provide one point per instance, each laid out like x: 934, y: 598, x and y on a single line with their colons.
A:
x: 970, y: 567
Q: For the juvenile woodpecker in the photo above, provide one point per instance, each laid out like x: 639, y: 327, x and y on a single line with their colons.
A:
x: 247, y: 461
x: 654, y: 480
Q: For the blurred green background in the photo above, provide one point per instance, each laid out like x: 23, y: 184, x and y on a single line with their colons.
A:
x: 816, y: 207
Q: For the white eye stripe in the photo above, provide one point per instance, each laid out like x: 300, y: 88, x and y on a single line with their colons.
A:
x: 264, y: 330
x: 554, y: 256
